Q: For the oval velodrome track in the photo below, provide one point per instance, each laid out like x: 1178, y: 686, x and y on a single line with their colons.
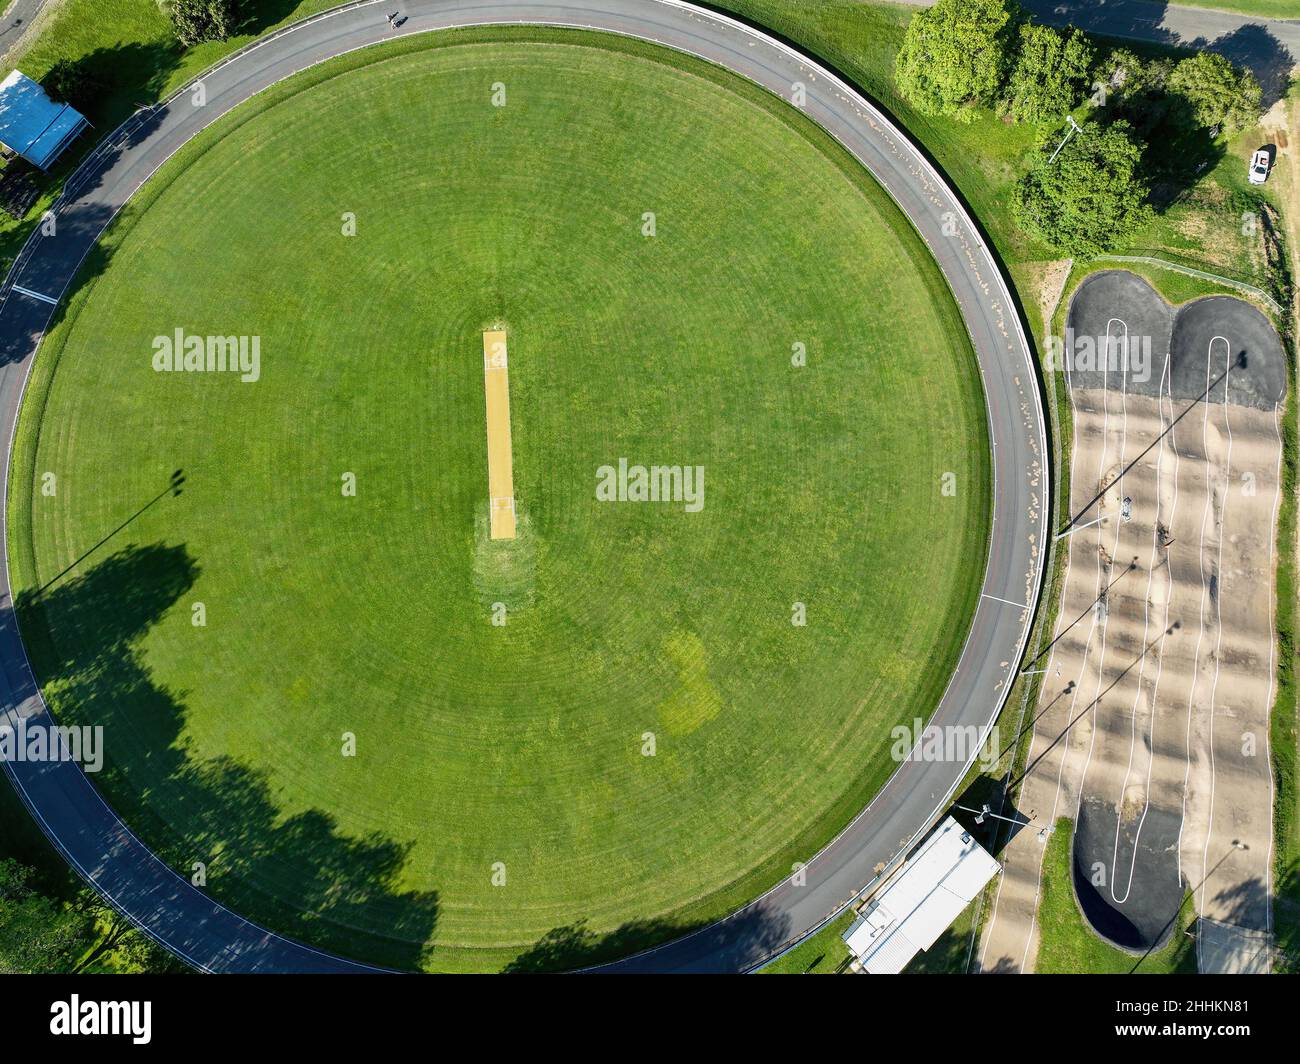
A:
x: 210, y: 937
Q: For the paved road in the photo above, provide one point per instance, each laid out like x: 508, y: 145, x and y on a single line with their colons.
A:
x: 16, y: 21
x: 212, y: 938
x: 1269, y: 47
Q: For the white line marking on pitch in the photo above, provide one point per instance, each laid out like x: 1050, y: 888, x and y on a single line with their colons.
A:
x: 35, y: 295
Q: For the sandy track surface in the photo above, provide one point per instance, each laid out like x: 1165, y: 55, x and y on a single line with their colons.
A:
x: 1153, y: 735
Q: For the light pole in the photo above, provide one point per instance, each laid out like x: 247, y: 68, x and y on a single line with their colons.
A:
x: 1074, y: 128
x: 1038, y: 672
x: 980, y: 814
x: 1075, y: 528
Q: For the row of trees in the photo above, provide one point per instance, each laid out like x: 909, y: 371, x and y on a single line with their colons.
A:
x: 1089, y: 190
x: 961, y: 55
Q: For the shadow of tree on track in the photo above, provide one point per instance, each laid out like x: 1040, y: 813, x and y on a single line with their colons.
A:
x: 297, y: 874
x: 750, y: 936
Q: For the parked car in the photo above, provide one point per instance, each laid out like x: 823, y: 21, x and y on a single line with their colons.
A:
x: 1259, y: 167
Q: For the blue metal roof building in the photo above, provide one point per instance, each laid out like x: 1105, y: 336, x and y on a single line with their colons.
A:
x: 33, y: 125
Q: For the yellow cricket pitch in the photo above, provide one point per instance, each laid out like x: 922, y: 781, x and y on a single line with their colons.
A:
x: 501, y: 480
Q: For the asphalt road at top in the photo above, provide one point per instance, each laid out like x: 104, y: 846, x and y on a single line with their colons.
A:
x: 1184, y: 25
x: 18, y: 18
x: 210, y: 937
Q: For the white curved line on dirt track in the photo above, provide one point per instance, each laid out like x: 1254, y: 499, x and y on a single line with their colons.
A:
x: 1272, y: 650
x: 1160, y: 658
x: 1218, y: 598
x: 1200, y: 613
x: 1104, y: 579
x: 1167, y: 396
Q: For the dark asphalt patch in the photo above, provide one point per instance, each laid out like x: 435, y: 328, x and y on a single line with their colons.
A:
x: 1108, y: 309
x: 1122, y: 335
x: 1227, y: 330
x: 1136, y: 914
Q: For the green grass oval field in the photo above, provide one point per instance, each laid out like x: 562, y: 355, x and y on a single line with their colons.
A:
x: 501, y: 807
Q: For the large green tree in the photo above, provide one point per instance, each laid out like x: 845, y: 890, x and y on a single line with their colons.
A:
x: 1219, y: 93
x: 194, y: 21
x: 1050, y: 68
x: 1125, y: 76
x: 1091, y: 197
x: 955, y: 55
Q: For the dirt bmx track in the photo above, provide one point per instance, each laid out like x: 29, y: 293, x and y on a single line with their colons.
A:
x: 210, y: 937
x: 1153, y: 735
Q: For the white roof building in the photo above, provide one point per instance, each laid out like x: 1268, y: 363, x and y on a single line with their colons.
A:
x: 919, y: 903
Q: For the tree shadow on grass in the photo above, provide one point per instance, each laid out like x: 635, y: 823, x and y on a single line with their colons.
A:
x: 297, y: 874
x: 108, y: 84
x: 258, y: 16
x: 736, y: 944
x: 576, y: 946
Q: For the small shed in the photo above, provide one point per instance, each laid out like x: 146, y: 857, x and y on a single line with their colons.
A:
x: 916, y: 906
x: 32, y: 124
